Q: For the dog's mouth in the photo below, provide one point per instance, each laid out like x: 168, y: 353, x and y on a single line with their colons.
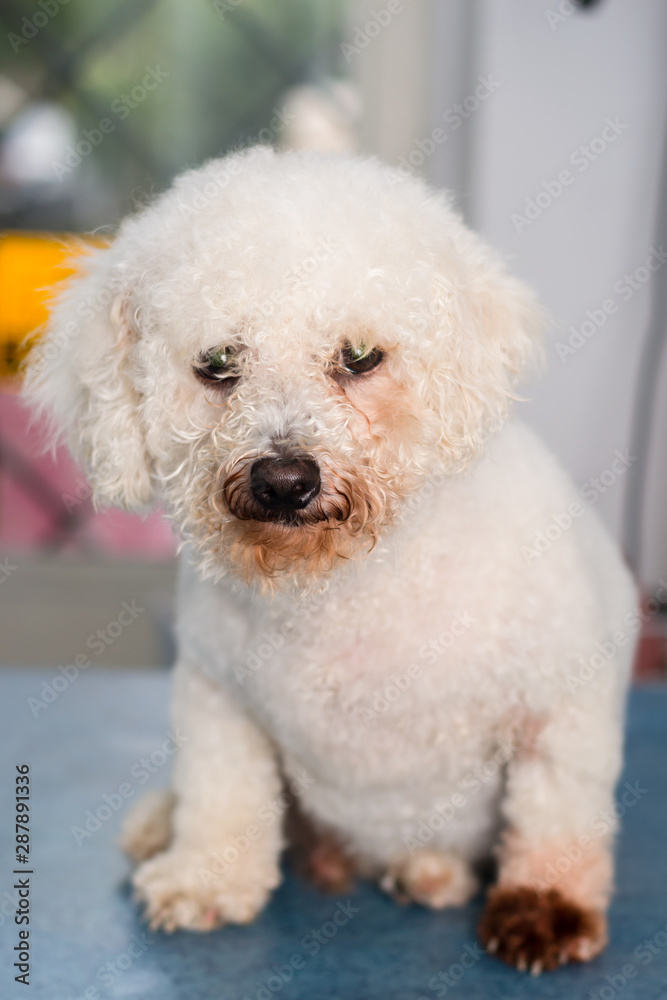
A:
x: 293, y: 514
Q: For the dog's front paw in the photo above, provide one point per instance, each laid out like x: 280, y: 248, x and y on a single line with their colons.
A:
x: 539, y: 931
x: 181, y: 889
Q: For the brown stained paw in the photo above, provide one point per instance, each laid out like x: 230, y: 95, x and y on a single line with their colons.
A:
x: 328, y: 868
x: 318, y: 856
x: 538, y: 931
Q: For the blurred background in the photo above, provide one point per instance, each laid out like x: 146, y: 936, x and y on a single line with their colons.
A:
x: 545, y: 118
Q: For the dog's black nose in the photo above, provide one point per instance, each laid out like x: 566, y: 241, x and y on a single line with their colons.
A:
x: 284, y: 484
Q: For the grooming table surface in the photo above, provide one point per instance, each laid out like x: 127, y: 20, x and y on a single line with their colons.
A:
x: 87, y: 935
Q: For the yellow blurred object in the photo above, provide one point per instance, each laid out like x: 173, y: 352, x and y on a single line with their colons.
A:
x: 30, y: 265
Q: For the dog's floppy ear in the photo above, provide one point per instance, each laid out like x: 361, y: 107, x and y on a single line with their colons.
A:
x: 488, y: 331
x: 79, y: 374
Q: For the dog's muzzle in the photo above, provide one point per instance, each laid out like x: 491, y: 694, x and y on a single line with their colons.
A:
x: 283, y: 486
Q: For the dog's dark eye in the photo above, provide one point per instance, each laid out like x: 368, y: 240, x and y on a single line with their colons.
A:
x: 361, y: 359
x: 218, y: 365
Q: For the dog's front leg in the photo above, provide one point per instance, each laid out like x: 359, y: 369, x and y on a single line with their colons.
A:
x: 222, y: 862
x: 556, y: 866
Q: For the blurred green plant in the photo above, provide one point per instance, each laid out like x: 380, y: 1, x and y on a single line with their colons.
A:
x: 221, y: 68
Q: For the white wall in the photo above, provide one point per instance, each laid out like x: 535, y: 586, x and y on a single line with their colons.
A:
x: 555, y: 80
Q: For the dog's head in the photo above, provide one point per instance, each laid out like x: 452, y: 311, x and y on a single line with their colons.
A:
x: 284, y: 348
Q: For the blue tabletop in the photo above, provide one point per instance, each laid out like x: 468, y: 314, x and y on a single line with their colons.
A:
x: 86, y: 934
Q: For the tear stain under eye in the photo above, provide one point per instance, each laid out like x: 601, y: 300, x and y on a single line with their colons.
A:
x: 383, y: 403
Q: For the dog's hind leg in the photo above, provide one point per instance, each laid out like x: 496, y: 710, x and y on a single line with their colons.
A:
x: 318, y: 855
x: 432, y: 878
x: 148, y: 828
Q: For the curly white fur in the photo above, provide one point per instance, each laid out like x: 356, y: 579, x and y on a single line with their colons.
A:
x: 292, y: 637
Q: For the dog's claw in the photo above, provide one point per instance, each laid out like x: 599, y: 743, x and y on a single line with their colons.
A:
x: 394, y: 888
x: 539, y: 932
x: 387, y: 883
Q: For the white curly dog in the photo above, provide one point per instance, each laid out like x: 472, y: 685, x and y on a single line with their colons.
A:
x: 309, y: 360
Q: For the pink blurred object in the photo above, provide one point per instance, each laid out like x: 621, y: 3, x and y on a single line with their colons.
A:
x: 45, y: 503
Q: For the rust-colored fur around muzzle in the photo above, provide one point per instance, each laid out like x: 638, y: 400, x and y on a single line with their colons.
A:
x: 335, y: 524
